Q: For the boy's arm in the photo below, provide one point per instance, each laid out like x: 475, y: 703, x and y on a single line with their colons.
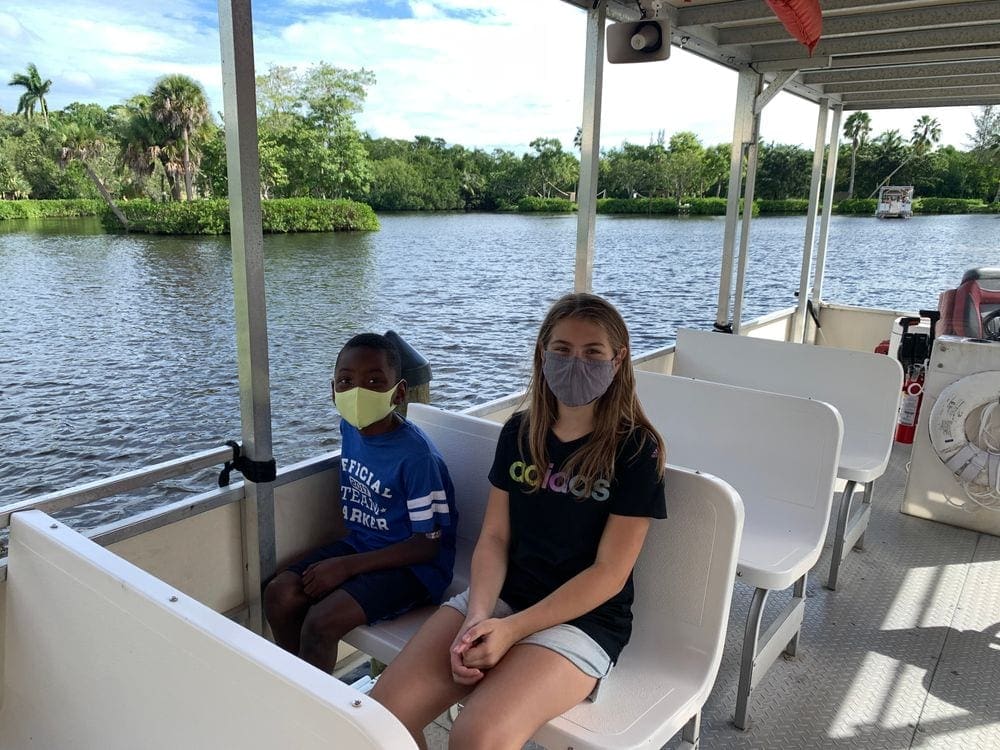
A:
x: 323, y: 577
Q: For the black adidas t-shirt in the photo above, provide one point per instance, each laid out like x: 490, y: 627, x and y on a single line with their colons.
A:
x: 555, y: 531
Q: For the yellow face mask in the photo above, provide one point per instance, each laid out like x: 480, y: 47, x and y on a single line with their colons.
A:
x: 362, y: 407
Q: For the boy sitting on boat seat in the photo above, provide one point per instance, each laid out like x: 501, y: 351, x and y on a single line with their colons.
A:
x: 398, y: 505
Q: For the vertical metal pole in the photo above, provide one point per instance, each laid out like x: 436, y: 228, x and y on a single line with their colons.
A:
x: 240, y: 107
x: 824, y: 222
x: 799, y: 330
x: 748, y: 191
x: 590, y: 151
x: 746, y: 91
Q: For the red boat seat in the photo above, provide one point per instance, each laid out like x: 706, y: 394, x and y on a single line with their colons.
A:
x: 963, y: 309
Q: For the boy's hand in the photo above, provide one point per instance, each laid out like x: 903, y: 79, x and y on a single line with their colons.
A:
x: 323, y: 577
x: 484, y: 644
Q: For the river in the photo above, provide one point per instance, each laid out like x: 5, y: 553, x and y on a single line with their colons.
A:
x: 119, y: 351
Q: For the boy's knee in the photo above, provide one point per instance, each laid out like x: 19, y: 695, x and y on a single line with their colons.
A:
x: 282, y: 596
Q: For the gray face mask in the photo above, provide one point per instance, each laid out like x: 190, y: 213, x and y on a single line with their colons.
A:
x: 576, y: 381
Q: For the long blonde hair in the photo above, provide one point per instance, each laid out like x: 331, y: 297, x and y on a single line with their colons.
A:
x: 617, y: 413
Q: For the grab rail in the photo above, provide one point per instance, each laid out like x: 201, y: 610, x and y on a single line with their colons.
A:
x: 85, y: 493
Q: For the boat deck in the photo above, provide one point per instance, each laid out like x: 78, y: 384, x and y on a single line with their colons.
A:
x: 906, y: 653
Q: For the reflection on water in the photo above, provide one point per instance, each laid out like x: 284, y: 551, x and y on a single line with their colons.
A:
x: 118, y: 351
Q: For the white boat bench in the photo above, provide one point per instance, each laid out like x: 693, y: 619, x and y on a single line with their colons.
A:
x: 757, y: 442
x: 864, y: 387
x: 100, y: 654
x: 683, y: 581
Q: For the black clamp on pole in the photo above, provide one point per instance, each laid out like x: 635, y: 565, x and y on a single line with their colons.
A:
x: 254, y: 471
x: 722, y: 327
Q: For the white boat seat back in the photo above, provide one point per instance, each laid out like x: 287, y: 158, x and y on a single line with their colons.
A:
x: 779, y: 452
x: 100, y: 654
x: 467, y: 445
x: 864, y: 387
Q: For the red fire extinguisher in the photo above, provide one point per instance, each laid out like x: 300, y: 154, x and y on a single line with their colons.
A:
x: 909, y: 404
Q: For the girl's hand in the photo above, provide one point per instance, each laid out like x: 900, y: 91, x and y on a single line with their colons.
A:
x: 460, y: 673
x: 485, y: 643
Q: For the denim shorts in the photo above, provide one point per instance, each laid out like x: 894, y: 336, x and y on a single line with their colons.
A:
x: 382, y: 594
x: 566, y: 640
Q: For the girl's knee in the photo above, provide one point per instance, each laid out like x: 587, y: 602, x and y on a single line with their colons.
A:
x: 483, y: 730
x: 401, y: 705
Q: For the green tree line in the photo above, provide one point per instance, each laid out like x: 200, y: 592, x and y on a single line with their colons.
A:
x: 166, y: 145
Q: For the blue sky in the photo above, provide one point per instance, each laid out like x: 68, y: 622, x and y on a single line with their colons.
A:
x: 476, y: 72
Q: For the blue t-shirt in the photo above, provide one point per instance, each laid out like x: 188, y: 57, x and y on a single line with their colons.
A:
x: 393, y: 486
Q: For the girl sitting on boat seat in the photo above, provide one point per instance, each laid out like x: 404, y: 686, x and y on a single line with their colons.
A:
x: 398, y: 505
x: 576, y: 478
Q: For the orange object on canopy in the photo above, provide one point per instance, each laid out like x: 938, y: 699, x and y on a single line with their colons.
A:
x: 802, y: 18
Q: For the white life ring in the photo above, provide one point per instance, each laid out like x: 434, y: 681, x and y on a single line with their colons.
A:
x: 975, y: 463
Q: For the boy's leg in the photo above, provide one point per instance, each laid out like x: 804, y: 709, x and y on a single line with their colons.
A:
x: 326, y: 622
x: 285, y: 607
x: 365, y: 598
x: 417, y: 686
x: 530, y: 686
x: 285, y: 602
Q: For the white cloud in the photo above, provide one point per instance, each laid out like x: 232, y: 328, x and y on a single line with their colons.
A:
x: 82, y: 81
x: 474, y: 72
x: 120, y: 39
x: 10, y: 27
x: 425, y: 10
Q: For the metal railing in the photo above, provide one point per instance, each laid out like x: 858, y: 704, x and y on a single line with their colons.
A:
x: 132, y: 480
x: 170, y: 513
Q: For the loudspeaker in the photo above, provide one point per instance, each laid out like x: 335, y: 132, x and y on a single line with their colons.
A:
x: 642, y: 41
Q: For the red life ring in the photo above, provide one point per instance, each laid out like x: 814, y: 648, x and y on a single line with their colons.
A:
x: 802, y: 18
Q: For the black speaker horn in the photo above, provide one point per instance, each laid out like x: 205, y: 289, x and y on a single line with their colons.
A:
x: 641, y: 41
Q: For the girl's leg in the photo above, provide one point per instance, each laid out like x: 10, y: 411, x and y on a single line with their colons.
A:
x: 530, y: 686
x: 417, y: 686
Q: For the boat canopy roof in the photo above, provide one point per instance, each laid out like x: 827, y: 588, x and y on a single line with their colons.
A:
x: 873, y: 54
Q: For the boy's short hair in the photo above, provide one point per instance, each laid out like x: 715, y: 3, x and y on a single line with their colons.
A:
x: 379, y: 343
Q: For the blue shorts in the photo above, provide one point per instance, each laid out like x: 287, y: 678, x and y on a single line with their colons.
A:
x: 382, y: 594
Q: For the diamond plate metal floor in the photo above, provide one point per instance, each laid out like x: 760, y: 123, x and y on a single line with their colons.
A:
x: 905, y: 655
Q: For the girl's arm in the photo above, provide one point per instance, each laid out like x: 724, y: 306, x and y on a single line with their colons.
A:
x: 489, y: 559
x: 617, y: 553
x: 489, y: 568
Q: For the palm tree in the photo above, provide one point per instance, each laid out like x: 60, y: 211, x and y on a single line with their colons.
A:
x: 82, y: 143
x: 35, y: 90
x: 926, y: 133
x: 993, y: 153
x: 141, y: 140
x: 179, y: 103
x: 857, y: 127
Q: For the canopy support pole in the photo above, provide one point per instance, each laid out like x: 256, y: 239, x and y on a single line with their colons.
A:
x: 242, y: 161
x: 799, y: 329
x: 748, y: 191
x: 746, y: 92
x: 824, y: 222
x: 590, y: 149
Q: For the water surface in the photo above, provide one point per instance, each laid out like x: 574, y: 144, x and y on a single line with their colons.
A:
x: 119, y: 351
